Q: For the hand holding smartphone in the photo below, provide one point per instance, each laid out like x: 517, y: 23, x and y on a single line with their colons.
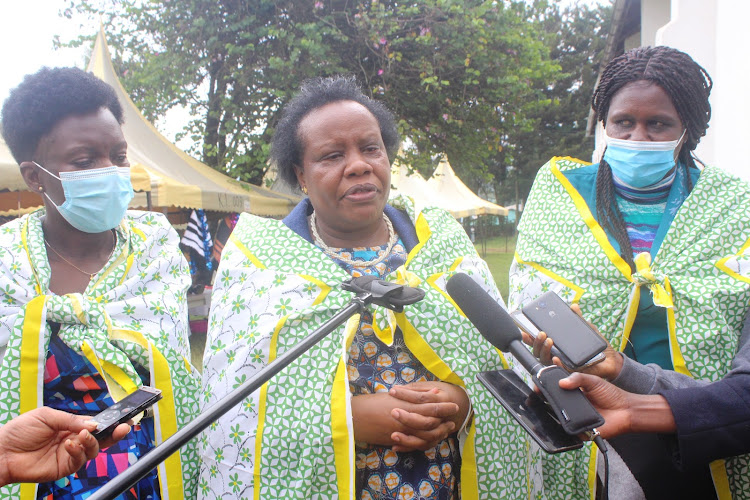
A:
x: 575, y: 342
x: 125, y: 409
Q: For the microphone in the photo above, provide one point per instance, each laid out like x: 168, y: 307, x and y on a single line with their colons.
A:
x: 572, y: 409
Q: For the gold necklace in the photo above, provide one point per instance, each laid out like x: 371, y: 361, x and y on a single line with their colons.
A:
x: 90, y: 275
x: 392, y: 240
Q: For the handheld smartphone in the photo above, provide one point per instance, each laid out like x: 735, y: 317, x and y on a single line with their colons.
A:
x: 527, y: 326
x: 125, y: 409
x: 529, y: 410
x: 578, y: 343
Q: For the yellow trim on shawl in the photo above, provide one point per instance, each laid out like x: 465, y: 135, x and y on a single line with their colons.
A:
x: 661, y: 293
x: 720, y: 479
x: 165, y: 412
x: 556, y: 277
x: 632, y: 312
x: 262, y: 398
x: 129, y: 264
x: 424, y: 233
x: 34, y: 325
x: 678, y: 360
x: 242, y: 248
x: 588, y: 218
x: 722, y: 264
x: 119, y: 383
x: 591, y: 480
x: 342, y: 433
x: 469, y: 482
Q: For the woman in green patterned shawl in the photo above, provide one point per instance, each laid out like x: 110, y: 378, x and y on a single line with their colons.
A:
x: 380, y: 408
x: 92, y: 297
x: 653, y: 248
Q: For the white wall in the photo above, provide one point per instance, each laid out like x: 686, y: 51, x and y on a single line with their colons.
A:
x: 713, y: 32
x: 654, y: 15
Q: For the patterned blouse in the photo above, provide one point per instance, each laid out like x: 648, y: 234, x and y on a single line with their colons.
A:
x: 376, y: 367
x: 72, y: 384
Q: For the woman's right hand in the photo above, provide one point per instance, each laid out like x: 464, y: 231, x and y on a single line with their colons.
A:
x: 379, y: 418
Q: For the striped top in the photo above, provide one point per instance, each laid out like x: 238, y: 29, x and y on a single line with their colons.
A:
x: 642, y: 210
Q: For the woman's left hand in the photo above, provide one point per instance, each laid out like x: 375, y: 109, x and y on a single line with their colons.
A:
x: 422, y: 393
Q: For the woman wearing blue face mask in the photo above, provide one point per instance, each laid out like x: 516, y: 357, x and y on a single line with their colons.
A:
x: 92, y: 296
x: 653, y: 248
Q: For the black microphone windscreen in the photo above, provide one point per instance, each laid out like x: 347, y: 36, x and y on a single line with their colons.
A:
x: 492, y: 321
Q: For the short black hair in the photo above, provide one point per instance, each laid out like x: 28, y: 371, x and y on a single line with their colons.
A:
x: 286, y: 146
x: 45, y: 98
x: 684, y: 80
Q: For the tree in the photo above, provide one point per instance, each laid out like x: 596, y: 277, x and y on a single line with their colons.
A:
x: 459, y: 74
x: 576, y: 37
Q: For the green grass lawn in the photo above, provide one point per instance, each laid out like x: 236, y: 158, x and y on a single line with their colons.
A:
x: 499, y: 255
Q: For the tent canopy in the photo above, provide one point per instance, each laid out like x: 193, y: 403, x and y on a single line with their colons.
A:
x: 161, y: 173
x: 444, y: 189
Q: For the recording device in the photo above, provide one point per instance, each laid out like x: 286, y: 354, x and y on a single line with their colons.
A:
x: 570, y: 407
x: 125, y: 409
x: 529, y: 410
x: 578, y: 343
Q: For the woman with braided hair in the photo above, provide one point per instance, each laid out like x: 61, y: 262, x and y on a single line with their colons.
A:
x: 650, y: 245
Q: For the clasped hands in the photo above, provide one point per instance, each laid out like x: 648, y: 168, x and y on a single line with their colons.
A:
x: 410, y: 417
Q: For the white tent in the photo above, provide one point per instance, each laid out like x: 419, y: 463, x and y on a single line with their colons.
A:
x: 463, y: 201
x: 444, y: 189
x: 162, y: 175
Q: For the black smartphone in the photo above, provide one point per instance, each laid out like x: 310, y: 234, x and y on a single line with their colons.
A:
x: 529, y: 410
x: 578, y: 343
x: 125, y: 409
x: 523, y: 323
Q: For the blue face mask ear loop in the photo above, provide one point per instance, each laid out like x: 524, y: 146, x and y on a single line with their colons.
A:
x: 42, y: 190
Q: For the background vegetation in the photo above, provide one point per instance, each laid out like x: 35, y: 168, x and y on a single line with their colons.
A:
x: 498, y: 86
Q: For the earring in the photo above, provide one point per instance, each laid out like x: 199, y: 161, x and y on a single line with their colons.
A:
x: 41, y: 189
x: 304, y: 189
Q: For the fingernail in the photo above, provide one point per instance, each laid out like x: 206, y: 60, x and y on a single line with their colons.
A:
x: 396, y: 414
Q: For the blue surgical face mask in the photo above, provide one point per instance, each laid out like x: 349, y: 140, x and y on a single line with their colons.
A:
x: 640, y: 163
x: 95, y: 199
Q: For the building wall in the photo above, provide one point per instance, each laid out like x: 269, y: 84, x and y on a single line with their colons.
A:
x: 713, y: 32
x: 654, y: 15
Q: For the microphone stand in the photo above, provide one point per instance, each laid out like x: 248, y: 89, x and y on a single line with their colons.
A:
x: 368, y: 289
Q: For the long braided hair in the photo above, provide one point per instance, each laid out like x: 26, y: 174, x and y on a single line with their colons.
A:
x: 686, y: 83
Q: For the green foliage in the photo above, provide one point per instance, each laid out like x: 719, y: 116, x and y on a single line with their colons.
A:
x: 576, y: 37
x: 469, y: 78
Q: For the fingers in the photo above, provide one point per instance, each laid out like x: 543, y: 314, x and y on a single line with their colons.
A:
x: 440, y: 411
x: 64, y: 421
x: 120, y: 432
x: 527, y: 339
x: 416, y: 394
x: 422, y: 440
x: 542, y: 348
x: 415, y: 420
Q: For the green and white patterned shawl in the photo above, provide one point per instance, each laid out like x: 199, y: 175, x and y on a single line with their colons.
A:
x: 133, y: 313
x: 294, y: 438
x: 701, y: 273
